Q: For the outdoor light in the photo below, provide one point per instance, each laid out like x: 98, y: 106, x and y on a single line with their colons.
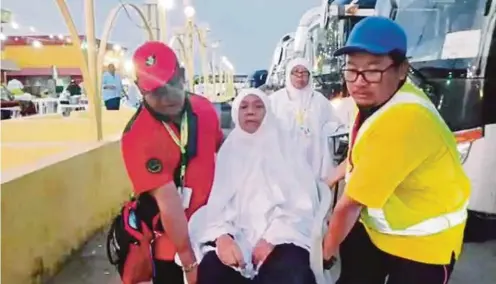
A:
x: 189, y: 11
x: 14, y: 25
x: 227, y: 63
x: 60, y: 36
x: 166, y: 4
x: 215, y: 44
x: 128, y: 66
x: 37, y: 44
x: 50, y: 36
x: 116, y: 47
x: 2, y: 36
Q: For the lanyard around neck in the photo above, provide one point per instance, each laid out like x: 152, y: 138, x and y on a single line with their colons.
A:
x: 181, y: 142
x: 301, y: 113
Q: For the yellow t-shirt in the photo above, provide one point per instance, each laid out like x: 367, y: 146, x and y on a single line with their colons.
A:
x: 410, y: 152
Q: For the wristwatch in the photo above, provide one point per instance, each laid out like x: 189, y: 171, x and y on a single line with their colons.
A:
x: 189, y: 268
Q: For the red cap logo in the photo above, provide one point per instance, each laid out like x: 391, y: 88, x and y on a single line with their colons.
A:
x: 155, y: 63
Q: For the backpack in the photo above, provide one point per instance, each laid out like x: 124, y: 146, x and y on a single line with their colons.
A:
x: 130, y: 244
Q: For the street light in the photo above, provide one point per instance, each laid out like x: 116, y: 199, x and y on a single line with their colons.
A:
x: 37, y: 44
x: 166, y: 4
x: 189, y: 11
x: 227, y: 63
x: 129, y: 66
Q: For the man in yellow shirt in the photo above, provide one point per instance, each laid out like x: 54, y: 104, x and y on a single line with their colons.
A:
x: 404, y: 177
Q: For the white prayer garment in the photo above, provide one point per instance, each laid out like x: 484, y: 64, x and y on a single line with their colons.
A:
x: 263, y: 189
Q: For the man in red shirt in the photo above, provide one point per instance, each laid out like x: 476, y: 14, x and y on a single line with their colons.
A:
x: 169, y: 151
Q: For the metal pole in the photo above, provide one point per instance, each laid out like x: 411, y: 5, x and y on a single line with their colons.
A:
x: 162, y: 20
x: 215, y: 72
x: 107, y: 28
x: 88, y: 72
x: 94, y: 90
x: 202, y: 39
x: 190, y: 53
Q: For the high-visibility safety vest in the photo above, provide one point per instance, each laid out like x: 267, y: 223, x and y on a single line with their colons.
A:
x: 375, y: 218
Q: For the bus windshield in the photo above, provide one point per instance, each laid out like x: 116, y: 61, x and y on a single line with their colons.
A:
x: 326, y: 67
x: 442, y: 30
x: 444, y: 45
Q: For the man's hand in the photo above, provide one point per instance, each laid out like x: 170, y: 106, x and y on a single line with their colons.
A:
x: 174, y: 220
x: 229, y: 252
x: 339, y: 174
x: 343, y: 219
x: 191, y: 276
x: 261, y: 251
x: 328, y: 249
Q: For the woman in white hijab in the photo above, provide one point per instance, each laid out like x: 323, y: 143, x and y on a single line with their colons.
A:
x: 307, y: 115
x: 261, y: 209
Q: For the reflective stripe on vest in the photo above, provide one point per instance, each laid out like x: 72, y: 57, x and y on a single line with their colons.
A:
x: 425, y: 228
x: 376, y: 216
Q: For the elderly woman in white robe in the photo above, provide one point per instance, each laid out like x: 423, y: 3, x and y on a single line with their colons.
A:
x: 262, y: 206
x: 307, y: 115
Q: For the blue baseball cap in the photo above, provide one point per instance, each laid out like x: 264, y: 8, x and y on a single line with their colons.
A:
x: 375, y: 35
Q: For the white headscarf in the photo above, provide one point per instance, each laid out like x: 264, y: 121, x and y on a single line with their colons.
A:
x: 266, y: 155
x: 318, y: 120
x: 299, y: 96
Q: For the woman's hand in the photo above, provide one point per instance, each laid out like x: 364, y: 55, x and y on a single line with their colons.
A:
x: 229, y: 252
x: 191, y: 276
x: 261, y: 251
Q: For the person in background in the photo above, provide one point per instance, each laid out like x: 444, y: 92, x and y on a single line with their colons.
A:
x: 73, y: 88
x: 112, y: 88
x: 262, y: 207
x: 171, y: 171
x: 404, y: 177
x: 307, y: 115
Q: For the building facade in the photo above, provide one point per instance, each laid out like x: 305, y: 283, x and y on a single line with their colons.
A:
x: 43, y: 57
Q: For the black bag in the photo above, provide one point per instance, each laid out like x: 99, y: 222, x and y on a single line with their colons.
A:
x: 130, y: 242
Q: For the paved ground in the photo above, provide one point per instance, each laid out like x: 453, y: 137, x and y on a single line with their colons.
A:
x: 476, y: 266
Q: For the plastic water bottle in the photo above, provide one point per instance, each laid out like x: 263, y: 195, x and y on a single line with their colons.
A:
x: 133, y: 223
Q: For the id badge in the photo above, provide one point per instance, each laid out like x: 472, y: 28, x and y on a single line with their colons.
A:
x: 186, y: 194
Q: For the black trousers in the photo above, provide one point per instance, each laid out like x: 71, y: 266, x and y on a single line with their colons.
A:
x: 113, y: 104
x: 167, y: 272
x: 363, y: 263
x: 288, y: 264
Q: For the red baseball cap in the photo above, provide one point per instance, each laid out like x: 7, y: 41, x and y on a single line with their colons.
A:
x: 155, y: 64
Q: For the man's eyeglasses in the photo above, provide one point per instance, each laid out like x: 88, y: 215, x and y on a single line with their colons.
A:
x: 370, y: 76
x: 300, y: 73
